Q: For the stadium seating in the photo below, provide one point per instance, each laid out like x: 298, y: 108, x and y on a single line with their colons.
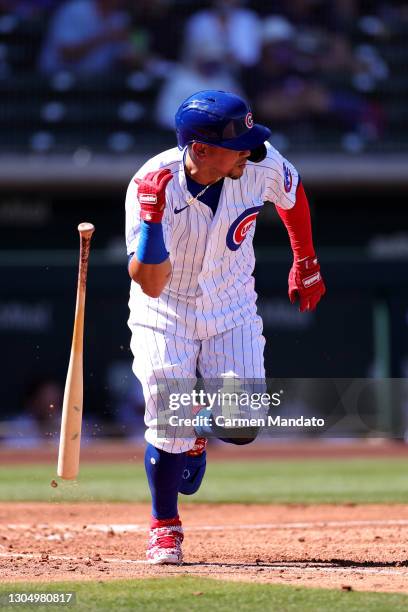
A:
x: 61, y: 113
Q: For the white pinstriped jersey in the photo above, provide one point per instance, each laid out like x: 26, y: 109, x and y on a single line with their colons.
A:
x: 211, y: 288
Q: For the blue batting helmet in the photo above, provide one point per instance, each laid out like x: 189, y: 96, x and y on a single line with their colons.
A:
x: 221, y: 119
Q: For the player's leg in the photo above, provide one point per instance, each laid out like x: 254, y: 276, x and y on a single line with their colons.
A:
x: 237, y: 354
x: 194, y: 468
x: 164, y: 473
x: 160, y: 359
x: 164, y: 363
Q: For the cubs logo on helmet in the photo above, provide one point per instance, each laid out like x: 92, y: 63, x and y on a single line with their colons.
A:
x: 239, y: 229
x: 249, y: 121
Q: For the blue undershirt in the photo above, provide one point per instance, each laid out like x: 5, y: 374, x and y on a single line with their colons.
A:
x: 211, y: 197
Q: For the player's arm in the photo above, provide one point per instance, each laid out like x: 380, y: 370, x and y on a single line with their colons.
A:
x: 151, y: 277
x: 305, y: 281
x: 150, y: 266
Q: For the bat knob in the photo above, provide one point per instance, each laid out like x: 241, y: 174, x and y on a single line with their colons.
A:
x: 86, y: 229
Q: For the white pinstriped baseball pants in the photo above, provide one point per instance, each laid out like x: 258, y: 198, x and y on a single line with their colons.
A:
x: 160, y: 355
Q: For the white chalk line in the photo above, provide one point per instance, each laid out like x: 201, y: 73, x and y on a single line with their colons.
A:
x: 306, y: 566
x: 138, y: 528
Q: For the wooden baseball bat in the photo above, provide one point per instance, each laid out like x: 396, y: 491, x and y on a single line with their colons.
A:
x: 71, y: 422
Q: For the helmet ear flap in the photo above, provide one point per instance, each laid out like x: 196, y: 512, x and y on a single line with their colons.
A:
x: 258, y: 154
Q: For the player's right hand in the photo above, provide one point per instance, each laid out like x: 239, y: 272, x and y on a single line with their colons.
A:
x: 152, y: 194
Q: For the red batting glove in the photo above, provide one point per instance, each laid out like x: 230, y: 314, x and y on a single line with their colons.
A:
x: 306, y: 283
x: 152, y: 194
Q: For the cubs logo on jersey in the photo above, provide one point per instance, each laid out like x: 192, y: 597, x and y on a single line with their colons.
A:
x: 287, y: 178
x: 239, y: 229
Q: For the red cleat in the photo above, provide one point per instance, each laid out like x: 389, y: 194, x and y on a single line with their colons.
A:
x: 166, y: 537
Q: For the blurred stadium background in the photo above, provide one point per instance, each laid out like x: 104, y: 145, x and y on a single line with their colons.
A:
x: 88, y: 89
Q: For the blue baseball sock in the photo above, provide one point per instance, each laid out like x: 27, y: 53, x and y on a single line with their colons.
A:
x: 193, y: 474
x: 164, y: 474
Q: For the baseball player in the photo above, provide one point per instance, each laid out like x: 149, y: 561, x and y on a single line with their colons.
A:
x: 190, y: 221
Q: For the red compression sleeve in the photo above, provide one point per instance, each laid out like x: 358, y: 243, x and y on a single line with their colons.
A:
x: 298, y: 225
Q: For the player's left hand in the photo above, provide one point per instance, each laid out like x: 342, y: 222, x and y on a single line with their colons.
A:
x: 306, y: 283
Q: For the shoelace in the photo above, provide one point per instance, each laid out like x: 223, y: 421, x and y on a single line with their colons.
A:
x: 168, y: 541
x: 162, y: 538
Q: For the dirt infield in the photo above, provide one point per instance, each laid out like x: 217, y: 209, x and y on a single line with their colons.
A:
x: 362, y: 547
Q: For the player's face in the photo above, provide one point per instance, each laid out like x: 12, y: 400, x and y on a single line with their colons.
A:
x: 226, y: 162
